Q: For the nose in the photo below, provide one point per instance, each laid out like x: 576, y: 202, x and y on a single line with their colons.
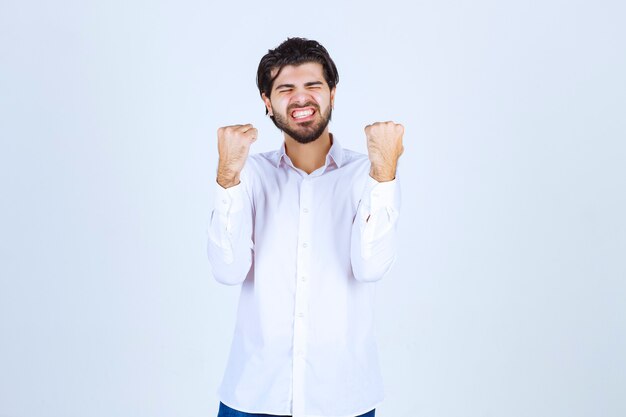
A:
x: 300, y: 97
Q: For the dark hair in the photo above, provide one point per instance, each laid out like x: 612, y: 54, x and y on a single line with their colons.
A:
x: 294, y: 51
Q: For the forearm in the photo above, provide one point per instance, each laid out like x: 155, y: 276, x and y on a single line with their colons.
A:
x: 229, y: 243
x: 374, y: 232
x: 230, y: 258
x: 373, y: 259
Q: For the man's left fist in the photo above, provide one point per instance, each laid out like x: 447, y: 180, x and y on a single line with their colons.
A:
x: 384, y: 146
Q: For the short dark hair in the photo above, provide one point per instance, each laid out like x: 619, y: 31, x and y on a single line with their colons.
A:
x: 294, y: 51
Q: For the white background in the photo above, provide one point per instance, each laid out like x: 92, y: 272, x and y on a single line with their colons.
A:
x: 508, y: 297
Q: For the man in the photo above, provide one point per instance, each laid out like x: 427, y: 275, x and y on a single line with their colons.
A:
x: 306, y: 230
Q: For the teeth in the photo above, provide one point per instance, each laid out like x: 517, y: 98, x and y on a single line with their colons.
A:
x: 299, y: 114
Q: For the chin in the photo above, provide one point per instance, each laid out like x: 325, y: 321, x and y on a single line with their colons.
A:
x: 304, y: 132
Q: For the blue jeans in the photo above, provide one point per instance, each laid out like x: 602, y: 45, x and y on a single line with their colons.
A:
x: 226, y: 411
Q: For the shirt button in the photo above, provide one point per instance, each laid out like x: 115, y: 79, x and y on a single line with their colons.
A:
x: 305, y: 210
x: 301, y: 314
x: 305, y: 245
x: 302, y: 278
x: 225, y: 201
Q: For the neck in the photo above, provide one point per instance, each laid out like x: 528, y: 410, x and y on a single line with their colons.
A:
x: 308, y: 156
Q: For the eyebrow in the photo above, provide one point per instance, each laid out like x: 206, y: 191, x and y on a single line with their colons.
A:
x: 309, y: 84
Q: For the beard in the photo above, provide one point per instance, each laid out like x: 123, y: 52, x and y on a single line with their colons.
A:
x: 304, y: 132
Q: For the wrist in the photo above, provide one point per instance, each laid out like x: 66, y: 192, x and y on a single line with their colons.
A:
x: 227, y: 183
x: 227, y: 178
x: 383, y: 173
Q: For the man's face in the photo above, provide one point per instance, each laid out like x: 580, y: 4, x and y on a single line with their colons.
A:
x: 301, y: 101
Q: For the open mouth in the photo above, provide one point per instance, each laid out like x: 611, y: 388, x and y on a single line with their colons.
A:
x: 303, y: 114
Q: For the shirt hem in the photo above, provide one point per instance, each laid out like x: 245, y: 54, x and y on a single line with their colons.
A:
x: 288, y: 413
x: 243, y: 410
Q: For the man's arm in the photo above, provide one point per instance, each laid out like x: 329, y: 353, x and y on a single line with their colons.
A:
x: 373, y: 243
x: 229, y: 245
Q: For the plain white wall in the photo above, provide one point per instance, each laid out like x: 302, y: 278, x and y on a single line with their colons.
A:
x: 508, y: 295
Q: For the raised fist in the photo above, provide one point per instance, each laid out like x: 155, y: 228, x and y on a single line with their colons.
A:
x: 233, y: 145
x: 384, y: 146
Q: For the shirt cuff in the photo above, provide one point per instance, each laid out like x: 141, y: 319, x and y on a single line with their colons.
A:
x: 378, y: 195
x: 228, y: 200
x: 383, y: 194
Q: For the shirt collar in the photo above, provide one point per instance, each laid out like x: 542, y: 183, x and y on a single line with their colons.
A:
x: 335, y: 153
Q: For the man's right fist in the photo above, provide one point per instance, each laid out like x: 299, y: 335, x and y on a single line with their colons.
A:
x: 233, y: 145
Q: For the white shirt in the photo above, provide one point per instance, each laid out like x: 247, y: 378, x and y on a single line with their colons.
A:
x: 307, y: 257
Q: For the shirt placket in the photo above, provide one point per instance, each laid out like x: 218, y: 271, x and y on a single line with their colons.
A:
x: 303, y: 263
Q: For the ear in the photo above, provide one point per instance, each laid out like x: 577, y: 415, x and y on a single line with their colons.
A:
x: 332, y: 97
x: 268, y: 104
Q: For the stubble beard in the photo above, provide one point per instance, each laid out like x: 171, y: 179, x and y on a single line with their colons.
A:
x: 307, y: 132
